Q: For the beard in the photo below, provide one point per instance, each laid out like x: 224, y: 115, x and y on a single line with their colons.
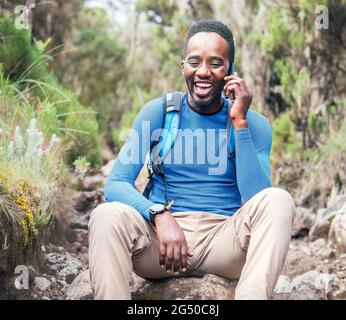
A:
x: 205, y: 103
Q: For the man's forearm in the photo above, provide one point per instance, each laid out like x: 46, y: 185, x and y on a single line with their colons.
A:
x: 252, y: 176
x: 124, y: 192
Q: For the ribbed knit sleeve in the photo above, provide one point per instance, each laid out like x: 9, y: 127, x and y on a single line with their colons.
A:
x: 252, y: 149
x: 120, y: 183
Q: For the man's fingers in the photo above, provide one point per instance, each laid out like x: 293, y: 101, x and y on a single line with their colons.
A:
x: 231, y: 88
x: 162, y: 255
x: 183, y: 258
x: 234, y: 82
x: 169, y: 258
x: 189, y: 252
x: 177, y: 259
x: 232, y: 76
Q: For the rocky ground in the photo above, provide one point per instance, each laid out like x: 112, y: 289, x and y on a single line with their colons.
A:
x: 315, y: 266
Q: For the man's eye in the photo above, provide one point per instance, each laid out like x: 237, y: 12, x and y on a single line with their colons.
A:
x: 193, y: 63
x: 215, y: 65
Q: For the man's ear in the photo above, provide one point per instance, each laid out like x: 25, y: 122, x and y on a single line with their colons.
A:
x: 182, y: 65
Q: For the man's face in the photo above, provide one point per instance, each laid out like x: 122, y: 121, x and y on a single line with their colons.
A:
x: 204, y: 68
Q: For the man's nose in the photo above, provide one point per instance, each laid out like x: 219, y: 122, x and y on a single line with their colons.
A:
x: 203, y: 70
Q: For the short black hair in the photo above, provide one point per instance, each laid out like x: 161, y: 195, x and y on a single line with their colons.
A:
x: 212, y: 26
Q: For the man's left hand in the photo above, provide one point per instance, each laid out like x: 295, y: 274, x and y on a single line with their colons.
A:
x: 242, y: 94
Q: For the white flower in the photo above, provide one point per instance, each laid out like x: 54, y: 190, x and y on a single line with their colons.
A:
x: 10, y: 150
x: 18, y: 141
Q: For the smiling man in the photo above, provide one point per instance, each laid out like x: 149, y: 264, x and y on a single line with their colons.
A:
x: 231, y: 223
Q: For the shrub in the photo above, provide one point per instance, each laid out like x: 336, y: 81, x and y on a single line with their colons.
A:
x: 285, y: 139
x: 33, y: 193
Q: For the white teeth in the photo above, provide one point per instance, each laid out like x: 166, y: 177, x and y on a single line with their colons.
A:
x: 204, y: 85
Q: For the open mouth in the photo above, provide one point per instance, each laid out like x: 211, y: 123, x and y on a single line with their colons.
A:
x: 202, y: 88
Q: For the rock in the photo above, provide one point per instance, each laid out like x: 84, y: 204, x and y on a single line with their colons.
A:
x: 79, y: 221
x: 299, y: 260
x: 85, y: 201
x: 325, y: 217
x: 57, y: 249
x: 80, y: 289
x: 81, y: 241
x: 56, y: 261
x: 70, y: 271
x: 320, y: 230
x: 320, y: 248
x: 32, y: 274
x: 338, y: 291
x: 283, y: 285
x: 106, y: 170
x: 42, y: 283
x: 65, y: 268
x: 311, y: 286
x: 337, y: 234
x: 336, y: 203
x: 208, y: 287
x: 303, y: 222
x: 91, y: 183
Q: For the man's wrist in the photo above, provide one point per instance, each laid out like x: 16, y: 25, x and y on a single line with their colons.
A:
x: 239, y: 124
x: 161, y: 216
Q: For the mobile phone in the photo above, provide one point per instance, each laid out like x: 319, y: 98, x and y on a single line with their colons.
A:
x: 231, y: 71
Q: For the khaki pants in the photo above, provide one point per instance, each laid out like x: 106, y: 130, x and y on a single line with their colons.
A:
x: 250, y: 246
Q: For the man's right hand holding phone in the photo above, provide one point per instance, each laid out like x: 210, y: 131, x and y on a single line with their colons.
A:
x: 242, y: 100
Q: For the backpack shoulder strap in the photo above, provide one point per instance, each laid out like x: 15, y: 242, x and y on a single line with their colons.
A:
x: 172, y: 106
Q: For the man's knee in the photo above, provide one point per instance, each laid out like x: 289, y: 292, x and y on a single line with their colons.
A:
x: 281, y: 201
x: 111, y: 213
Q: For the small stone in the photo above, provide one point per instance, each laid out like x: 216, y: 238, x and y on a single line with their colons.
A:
x: 283, y: 285
x: 42, y: 283
x: 320, y: 230
x: 70, y: 271
x: 55, y: 258
x: 320, y: 248
x: 62, y: 282
x: 337, y: 234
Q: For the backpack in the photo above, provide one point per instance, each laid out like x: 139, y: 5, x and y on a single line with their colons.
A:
x: 172, y: 103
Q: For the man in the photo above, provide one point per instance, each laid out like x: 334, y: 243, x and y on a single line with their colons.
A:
x: 231, y: 223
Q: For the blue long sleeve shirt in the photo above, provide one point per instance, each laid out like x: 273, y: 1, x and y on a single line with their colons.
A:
x: 200, y: 175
